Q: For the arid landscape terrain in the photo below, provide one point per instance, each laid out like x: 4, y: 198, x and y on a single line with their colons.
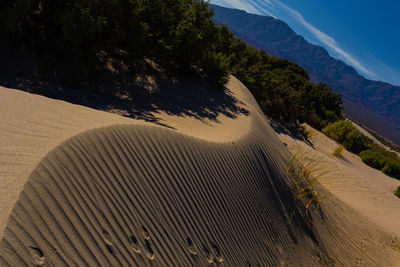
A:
x: 147, y: 133
x: 83, y: 187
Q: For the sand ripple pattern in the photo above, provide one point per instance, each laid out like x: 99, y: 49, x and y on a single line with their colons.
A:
x: 145, y: 196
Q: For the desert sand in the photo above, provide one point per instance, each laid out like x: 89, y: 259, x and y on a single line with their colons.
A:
x: 82, y: 187
x: 365, y: 189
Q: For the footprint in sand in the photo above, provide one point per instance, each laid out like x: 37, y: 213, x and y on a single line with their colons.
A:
x: 145, y: 233
x: 134, y: 244
x: 147, y: 246
x: 108, y: 241
x: 192, y: 248
x: 209, y: 257
x: 218, y: 258
x: 149, y: 250
x: 37, y: 255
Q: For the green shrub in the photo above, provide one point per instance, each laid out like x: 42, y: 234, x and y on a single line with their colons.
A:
x: 215, y: 69
x: 392, y: 168
x: 283, y: 89
x: 76, y: 41
x: 397, y: 192
x: 371, y: 154
x: 373, y: 159
x: 381, y: 159
x: 346, y: 134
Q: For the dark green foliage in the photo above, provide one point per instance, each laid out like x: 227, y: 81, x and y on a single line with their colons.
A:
x: 76, y: 41
x: 282, y: 88
x: 373, y: 158
x: 381, y: 159
x: 215, y: 68
x: 346, y: 134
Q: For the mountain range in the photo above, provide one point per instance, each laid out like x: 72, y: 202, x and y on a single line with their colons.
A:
x: 375, y: 104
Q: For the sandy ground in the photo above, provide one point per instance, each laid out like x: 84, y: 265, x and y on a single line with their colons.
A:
x: 363, y: 188
x: 33, y: 125
x: 81, y: 187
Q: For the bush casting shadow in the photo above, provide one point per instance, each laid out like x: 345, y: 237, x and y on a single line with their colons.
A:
x: 139, y: 96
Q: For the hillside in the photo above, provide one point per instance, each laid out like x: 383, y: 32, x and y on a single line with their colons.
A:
x: 373, y: 103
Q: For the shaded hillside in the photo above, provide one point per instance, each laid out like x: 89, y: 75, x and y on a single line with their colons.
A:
x: 278, y: 39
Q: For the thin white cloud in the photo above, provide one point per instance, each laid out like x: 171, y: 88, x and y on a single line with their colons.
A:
x: 385, y: 72
x: 327, y: 40
x: 251, y: 7
x: 238, y: 4
x: 264, y: 8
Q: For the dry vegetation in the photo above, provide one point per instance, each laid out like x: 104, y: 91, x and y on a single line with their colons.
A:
x: 305, y: 173
x: 338, y: 151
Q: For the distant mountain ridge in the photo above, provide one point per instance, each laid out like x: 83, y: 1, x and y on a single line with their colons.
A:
x: 373, y: 103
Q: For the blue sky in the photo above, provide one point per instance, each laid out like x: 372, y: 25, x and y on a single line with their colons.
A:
x: 363, y: 33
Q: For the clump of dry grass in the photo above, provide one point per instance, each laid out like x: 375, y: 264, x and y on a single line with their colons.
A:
x: 305, y: 173
x: 310, y: 134
x: 338, y: 151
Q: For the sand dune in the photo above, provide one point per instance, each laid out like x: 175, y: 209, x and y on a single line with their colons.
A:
x: 88, y: 188
x: 367, y: 190
x: 32, y: 125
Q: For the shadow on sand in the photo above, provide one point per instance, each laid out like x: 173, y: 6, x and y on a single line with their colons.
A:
x: 139, y: 97
x: 291, y: 130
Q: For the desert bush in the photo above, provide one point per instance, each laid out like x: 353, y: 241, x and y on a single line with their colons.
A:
x: 397, y: 192
x: 373, y: 158
x: 338, y: 151
x: 283, y: 89
x: 392, y: 168
x: 77, y: 40
x: 346, y: 134
x: 381, y: 159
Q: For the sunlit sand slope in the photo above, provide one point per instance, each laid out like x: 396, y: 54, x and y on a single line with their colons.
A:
x: 141, y: 195
x: 136, y: 195
x: 32, y: 125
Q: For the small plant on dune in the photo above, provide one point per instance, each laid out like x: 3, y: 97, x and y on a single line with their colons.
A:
x: 338, y: 151
x: 310, y: 134
x: 305, y: 173
x: 397, y: 192
x: 395, y: 242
